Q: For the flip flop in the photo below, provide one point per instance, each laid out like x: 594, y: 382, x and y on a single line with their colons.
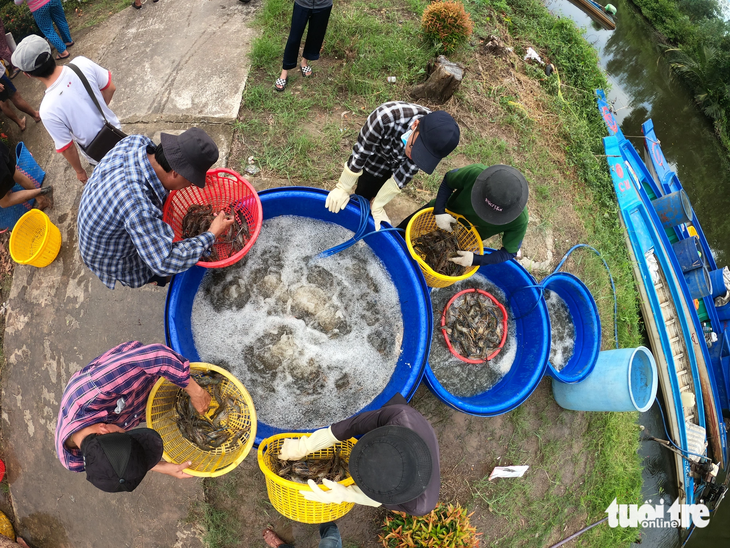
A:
x: 135, y: 6
x: 14, y: 73
x: 281, y: 82
x: 68, y: 45
x: 61, y: 58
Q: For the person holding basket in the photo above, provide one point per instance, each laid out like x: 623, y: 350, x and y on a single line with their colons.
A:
x: 493, y: 199
x: 395, y: 464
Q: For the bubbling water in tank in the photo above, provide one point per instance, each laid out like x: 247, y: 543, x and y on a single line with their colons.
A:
x: 460, y: 378
x: 312, y: 340
x: 562, y: 330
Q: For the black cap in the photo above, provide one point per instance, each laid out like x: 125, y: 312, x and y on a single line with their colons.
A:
x: 191, y: 154
x: 391, y: 464
x: 119, y: 461
x: 438, y: 135
x: 499, y: 194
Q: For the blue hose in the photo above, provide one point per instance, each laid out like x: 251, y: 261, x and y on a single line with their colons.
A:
x: 360, y: 233
x: 704, y: 458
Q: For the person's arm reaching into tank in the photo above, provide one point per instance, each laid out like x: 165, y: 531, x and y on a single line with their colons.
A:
x: 467, y: 258
x: 443, y: 219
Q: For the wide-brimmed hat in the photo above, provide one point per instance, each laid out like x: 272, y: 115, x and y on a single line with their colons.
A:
x: 499, y: 194
x: 26, y: 54
x: 119, y: 461
x: 391, y: 464
x: 191, y: 154
x: 438, y: 135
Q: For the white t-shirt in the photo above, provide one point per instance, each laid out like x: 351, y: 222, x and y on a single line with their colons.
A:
x: 67, y: 111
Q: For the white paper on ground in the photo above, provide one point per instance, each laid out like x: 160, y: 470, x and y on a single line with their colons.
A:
x: 508, y: 472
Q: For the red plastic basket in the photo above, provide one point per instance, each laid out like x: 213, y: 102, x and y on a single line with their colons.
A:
x: 223, y: 187
x: 504, y: 325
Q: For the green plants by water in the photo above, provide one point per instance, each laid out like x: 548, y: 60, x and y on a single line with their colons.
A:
x: 446, y: 525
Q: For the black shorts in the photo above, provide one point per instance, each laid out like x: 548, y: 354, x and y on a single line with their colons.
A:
x: 9, y: 90
x: 368, y: 185
x: 7, y: 170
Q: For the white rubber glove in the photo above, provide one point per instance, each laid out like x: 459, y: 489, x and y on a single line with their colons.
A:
x: 387, y: 192
x: 444, y: 222
x: 339, y: 196
x: 298, y: 448
x: 465, y: 258
x: 337, y: 494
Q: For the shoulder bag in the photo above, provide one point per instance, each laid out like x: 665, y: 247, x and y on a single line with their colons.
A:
x: 108, y: 136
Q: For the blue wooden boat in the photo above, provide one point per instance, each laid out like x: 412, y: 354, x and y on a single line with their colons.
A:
x: 648, y: 190
x: 665, y: 313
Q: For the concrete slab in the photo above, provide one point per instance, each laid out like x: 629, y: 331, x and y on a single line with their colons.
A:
x: 176, y: 63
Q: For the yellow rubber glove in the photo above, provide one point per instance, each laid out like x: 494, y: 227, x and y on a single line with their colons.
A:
x: 386, y: 193
x: 339, y: 196
x: 298, y: 448
x: 337, y: 494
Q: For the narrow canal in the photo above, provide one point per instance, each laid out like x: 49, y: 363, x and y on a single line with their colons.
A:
x: 642, y: 87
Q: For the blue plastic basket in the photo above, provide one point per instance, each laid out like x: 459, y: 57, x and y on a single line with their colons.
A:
x: 25, y: 163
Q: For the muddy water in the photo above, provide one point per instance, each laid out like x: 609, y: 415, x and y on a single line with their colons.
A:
x: 312, y: 340
x: 642, y: 88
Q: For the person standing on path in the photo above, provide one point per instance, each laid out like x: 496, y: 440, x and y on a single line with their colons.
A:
x: 5, y: 52
x: 67, y: 111
x: 395, y: 464
x: 9, y: 94
x: 317, y: 14
x: 329, y: 537
x: 122, y: 236
x: 396, y: 141
x: 45, y: 13
x: 104, y: 402
x: 493, y: 199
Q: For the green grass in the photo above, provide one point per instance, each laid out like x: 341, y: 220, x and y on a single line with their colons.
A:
x: 82, y: 14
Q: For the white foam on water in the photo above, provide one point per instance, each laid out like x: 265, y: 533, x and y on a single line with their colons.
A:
x: 312, y: 340
x: 460, y: 378
x: 562, y: 330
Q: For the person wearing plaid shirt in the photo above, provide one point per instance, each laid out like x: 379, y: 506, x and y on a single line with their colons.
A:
x: 396, y: 141
x: 109, y: 396
x: 122, y: 236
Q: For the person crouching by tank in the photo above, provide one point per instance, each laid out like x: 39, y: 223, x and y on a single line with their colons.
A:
x: 10, y: 174
x: 395, y: 464
x: 122, y: 236
x: 104, y: 402
x: 493, y: 199
x: 396, y: 141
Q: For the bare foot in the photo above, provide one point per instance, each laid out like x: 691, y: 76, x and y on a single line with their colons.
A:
x: 21, y: 124
x: 271, y: 538
x: 21, y: 542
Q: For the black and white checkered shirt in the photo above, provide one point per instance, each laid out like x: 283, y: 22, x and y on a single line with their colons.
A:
x: 379, y: 150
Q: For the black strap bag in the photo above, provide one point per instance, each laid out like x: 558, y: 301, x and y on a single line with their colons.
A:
x: 108, y: 136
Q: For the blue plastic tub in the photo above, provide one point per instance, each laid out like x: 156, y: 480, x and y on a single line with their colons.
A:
x: 533, y: 346
x: 673, y: 209
x: 698, y: 282
x: 390, y: 249
x: 583, y: 310
x: 622, y: 380
x: 717, y: 280
x: 689, y: 253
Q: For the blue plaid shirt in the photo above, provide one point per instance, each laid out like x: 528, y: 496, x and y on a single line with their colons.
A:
x: 122, y: 236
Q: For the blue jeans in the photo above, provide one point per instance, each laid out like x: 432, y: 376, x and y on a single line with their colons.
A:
x: 329, y: 535
x: 318, y: 19
x: 51, y: 13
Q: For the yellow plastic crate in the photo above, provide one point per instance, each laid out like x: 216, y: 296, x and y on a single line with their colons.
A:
x: 284, y: 494
x: 424, y: 222
x: 35, y: 240
x: 161, y: 417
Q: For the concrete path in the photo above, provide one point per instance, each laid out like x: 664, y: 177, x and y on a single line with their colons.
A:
x: 175, y: 63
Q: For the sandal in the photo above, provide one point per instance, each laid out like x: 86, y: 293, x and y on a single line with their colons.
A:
x: 306, y: 70
x: 280, y: 84
x: 60, y: 57
x: 14, y: 73
x: 69, y: 44
x: 135, y: 6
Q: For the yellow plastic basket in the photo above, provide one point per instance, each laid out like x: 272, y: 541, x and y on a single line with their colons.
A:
x: 284, y: 494
x: 35, y: 240
x: 206, y: 464
x: 424, y: 222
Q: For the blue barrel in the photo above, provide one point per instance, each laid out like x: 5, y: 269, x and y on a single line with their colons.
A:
x: 717, y: 279
x: 698, y: 282
x: 622, y: 380
x: 389, y: 247
x: 584, y: 313
x: 689, y: 253
x: 673, y: 209
x: 533, y: 346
